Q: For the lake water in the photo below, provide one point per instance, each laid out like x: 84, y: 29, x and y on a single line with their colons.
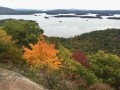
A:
x: 69, y: 26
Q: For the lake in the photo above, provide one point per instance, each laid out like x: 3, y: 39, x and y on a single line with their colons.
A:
x: 68, y: 26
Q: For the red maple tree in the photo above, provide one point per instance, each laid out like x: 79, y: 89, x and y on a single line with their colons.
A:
x: 80, y: 57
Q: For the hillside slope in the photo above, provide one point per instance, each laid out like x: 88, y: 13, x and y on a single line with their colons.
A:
x: 106, y: 40
x: 5, y: 10
x: 9, y: 11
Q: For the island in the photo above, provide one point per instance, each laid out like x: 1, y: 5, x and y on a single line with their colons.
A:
x: 60, y: 16
x: 116, y: 18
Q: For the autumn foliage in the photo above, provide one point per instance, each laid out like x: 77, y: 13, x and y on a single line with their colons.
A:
x: 81, y: 58
x: 42, y: 54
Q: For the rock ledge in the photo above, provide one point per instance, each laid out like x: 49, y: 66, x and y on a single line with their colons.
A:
x: 10, y: 80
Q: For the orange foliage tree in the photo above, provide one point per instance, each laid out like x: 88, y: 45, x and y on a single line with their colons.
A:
x: 42, y: 54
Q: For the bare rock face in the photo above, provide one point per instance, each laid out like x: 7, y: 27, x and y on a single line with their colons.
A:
x: 10, y: 80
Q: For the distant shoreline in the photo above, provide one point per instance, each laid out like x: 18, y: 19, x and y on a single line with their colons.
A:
x: 9, y: 11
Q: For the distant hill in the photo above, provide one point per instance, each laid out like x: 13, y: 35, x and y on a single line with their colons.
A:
x: 5, y: 10
x: 9, y: 11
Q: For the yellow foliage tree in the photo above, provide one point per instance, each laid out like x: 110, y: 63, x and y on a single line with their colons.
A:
x: 5, y: 41
x: 42, y: 55
x: 4, y: 38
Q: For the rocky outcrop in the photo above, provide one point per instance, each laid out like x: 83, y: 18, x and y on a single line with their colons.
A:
x: 10, y: 80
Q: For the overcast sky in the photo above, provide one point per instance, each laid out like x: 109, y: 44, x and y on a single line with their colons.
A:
x: 61, y: 4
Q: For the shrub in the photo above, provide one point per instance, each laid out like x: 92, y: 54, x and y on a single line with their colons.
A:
x: 98, y: 86
x: 74, y: 66
x: 106, y: 67
x: 59, y: 79
x: 15, y: 55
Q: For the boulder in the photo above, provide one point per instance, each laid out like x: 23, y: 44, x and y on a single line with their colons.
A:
x: 10, y: 80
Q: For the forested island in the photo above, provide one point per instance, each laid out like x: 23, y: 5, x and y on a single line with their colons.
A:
x: 90, y: 61
x: 60, y: 16
x: 116, y: 18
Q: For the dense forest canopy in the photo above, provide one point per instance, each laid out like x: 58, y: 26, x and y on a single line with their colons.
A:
x: 90, y: 61
x: 107, y: 40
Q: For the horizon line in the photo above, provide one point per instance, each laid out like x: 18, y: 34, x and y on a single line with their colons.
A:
x: 61, y: 9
